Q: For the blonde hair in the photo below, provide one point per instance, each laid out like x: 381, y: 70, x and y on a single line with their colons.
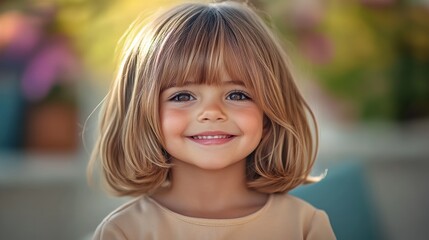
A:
x: 195, y: 42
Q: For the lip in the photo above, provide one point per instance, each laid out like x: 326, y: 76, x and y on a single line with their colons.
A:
x: 212, y: 138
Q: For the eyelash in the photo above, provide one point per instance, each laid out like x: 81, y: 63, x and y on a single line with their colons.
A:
x: 242, y: 93
x: 175, y: 97
x: 243, y: 96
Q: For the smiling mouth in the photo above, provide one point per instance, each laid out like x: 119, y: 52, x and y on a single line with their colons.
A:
x: 209, y: 137
x: 216, y: 139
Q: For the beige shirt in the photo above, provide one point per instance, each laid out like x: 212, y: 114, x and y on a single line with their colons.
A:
x: 282, y: 217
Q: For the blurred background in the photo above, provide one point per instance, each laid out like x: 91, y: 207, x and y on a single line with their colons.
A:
x: 363, y: 65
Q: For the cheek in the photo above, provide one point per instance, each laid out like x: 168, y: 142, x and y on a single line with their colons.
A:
x: 251, y: 120
x: 172, y: 121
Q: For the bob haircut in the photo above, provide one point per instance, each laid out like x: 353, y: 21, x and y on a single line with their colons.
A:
x: 196, y: 42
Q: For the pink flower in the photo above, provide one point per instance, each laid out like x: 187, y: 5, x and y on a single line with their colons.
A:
x: 53, y: 63
x: 19, y: 34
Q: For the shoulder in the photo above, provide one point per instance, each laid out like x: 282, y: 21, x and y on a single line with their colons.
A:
x: 295, y: 208
x: 121, y: 223
x: 294, y: 204
x: 313, y: 222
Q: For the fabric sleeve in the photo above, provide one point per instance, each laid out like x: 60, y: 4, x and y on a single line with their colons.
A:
x: 108, y: 231
x: 320, y: 227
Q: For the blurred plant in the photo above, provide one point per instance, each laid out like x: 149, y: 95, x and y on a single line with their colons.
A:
x: 371, y: 54
x: 37, y: 56
x: 43, y: 55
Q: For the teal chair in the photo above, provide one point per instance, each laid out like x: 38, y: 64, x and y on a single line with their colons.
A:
x: 345, y: 197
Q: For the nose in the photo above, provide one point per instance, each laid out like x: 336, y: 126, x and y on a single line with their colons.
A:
x: 212, y: 112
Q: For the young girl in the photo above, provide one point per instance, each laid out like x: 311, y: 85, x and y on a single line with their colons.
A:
x: 205, y: 124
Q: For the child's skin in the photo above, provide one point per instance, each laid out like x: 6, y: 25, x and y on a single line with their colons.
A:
x: 208, y: 179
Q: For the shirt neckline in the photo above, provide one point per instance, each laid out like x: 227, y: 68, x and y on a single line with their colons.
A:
x: 213, y: 222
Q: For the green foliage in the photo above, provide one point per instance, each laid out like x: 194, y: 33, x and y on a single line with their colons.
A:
x: 378, y: 61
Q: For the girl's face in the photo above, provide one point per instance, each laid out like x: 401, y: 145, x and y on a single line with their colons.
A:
x: 210, y: 127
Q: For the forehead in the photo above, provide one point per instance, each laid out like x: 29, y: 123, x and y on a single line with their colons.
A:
x: 219, y: 78
x: 204, y: 67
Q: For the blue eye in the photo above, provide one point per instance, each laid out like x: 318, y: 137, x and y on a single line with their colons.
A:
x: 182, y: 97
x: 237, y: 96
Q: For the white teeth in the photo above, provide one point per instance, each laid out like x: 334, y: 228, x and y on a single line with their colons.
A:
x: 211, y: 137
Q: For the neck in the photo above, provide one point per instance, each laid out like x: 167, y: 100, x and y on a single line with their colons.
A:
x: 206, y: 187
x: 210, y: 193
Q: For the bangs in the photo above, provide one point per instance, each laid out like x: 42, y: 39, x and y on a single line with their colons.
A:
x: 203, y: 49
